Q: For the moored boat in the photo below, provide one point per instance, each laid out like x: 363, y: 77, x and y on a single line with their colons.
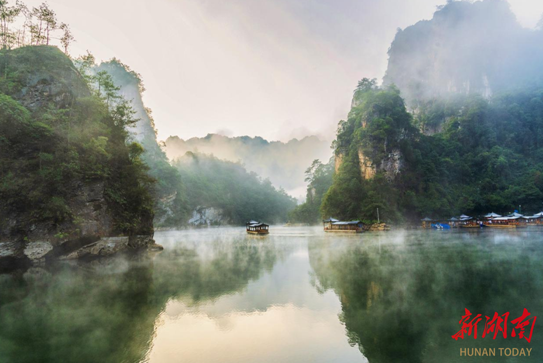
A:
x: 468, y: 222
x: 258, y: 228
x: 472, y: 225
x: 334, y: 225
x: 496, y: 225
x: 502, y: 222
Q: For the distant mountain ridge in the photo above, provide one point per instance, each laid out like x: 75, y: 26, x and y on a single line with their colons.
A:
x: 283, y: 163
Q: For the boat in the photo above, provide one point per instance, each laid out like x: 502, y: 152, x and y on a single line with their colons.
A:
x: 334, y: 225
x: 535, y: 220
x: 496, y: 225
x: 258, y: 228
x: 441, y: 226
x: 427, y: 223
x: 502, y: 222
x: 468, y: 222
x: 471, y: 225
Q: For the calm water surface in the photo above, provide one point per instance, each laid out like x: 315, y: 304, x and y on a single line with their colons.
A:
x: 297, y: 295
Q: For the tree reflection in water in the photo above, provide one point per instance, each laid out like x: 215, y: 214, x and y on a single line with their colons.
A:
x: 403, y: 294
x: 105, y: 311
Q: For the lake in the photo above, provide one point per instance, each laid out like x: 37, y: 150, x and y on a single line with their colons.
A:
x: 296, y: 295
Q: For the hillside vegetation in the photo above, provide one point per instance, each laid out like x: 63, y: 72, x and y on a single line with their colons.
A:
x: 58, y: 138
x: 236, y: 194
x: 281, y: 162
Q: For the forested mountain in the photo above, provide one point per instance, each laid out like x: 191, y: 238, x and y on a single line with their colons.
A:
x: 457, y: 126
x: 223, y: 192
x: 69, y: 173
x: 198, y: 189
x: 466, y: 48
x: 283, y: 163
x: 171, y: 209
x: 487, y: 158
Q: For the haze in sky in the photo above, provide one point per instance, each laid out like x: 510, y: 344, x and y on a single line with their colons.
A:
x: 274, y: 68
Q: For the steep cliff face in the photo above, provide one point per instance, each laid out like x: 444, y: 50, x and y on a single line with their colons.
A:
x: 367, y: 169
x: 170, y: 197
x: 370, y: 153
x: 466, y: 48
x: 62, y: 160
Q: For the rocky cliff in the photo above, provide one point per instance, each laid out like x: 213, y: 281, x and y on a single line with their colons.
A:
x: 62, y: 160
x: 170, y: 203
x: 466, y: 48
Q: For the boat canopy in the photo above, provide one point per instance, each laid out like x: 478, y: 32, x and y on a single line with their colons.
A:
x: 506, y: 218
x: 426, y: 219
x: 538, y: 215
x: 464, y: 217
x: 515, y: 215
x: 453, y: 219
x: 330, y: 220
x: 258, y: 224
x: 349, y: 223
x: 492, y: 215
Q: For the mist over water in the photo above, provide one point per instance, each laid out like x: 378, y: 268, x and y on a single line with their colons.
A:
x: 296, y: 295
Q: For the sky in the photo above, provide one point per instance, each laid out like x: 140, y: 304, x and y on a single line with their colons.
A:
x: 273, y: 68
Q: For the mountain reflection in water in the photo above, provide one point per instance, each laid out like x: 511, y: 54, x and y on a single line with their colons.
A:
x: 297, y: 295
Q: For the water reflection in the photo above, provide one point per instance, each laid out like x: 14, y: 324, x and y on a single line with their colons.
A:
x: 212, y: 295
x: 403, y: 294
x: 297, y: 295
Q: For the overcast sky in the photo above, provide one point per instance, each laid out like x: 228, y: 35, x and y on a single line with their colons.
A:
x: 273, y: 68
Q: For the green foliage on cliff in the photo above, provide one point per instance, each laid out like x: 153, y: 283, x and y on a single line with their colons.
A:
x: 487, y: 157
x: 319, y: 179
x: 56, y: 135
x: 171, y: 208
x: 239, y: 195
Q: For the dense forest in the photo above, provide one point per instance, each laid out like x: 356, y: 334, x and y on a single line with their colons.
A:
x: 487, y: 157
x: 234, y: 194
x: 59, y: 133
